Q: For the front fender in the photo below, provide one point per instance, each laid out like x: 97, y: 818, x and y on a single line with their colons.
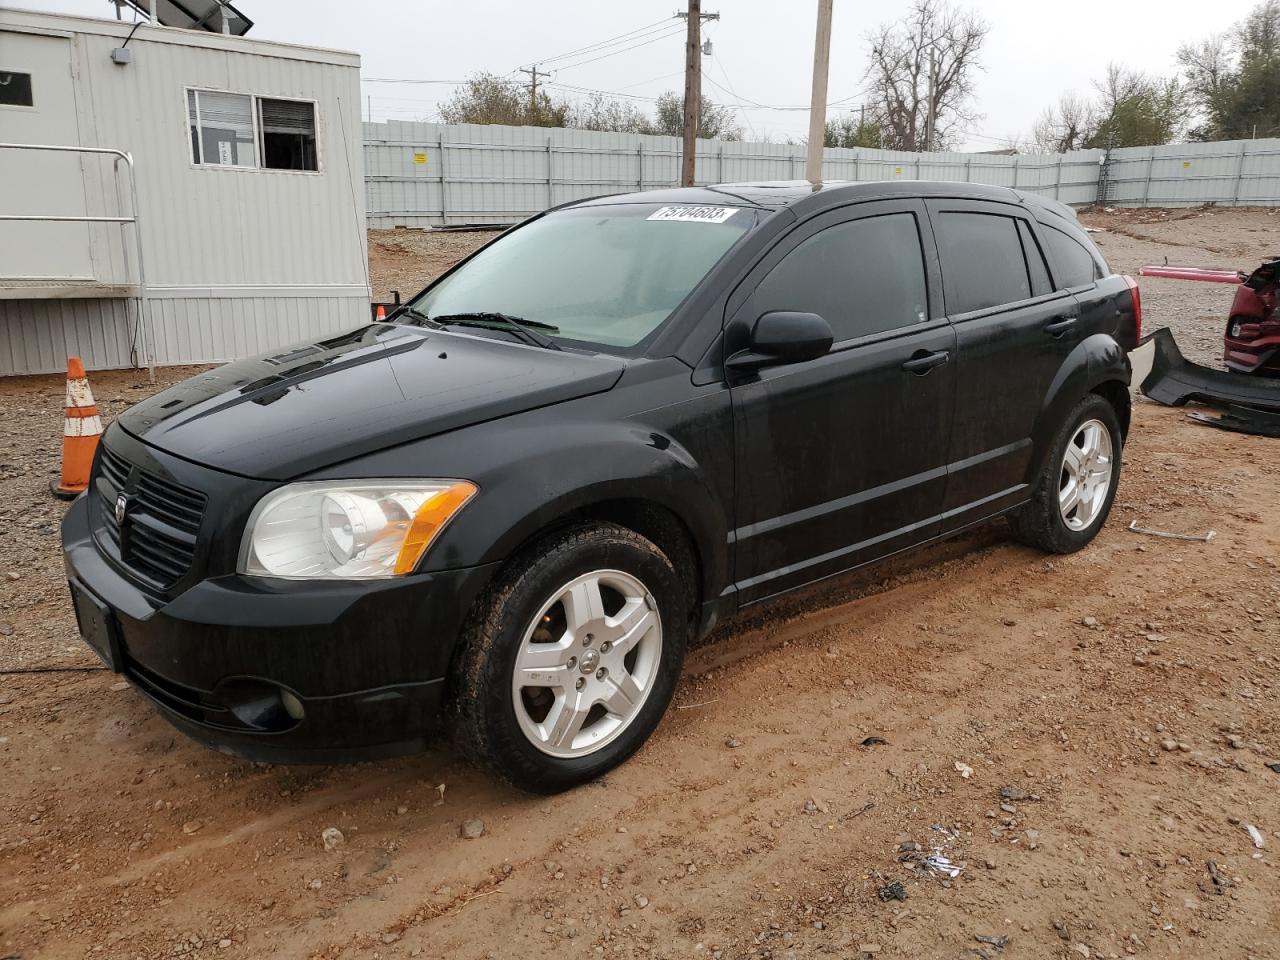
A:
x: 1095, y: 360
x: 535, y: 469
x: 534, y: 493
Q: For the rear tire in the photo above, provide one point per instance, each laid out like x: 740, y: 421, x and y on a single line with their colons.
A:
x: 570, y: 659
x: 1076, y: 487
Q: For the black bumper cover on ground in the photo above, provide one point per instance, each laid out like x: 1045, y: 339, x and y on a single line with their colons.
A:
x: 366, y: 659
x: 1174, y: 380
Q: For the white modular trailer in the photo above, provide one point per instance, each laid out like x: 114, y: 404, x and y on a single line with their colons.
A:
x: 244, y: 159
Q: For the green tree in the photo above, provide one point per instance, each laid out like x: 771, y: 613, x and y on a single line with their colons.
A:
x: 1234, y: 78
x: 714, y: 122
x: 1138, y: 110
x: 851, y: 132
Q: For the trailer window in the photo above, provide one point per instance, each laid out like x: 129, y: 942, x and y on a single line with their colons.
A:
x: 240, y: 130
x: 288, y: 134
x: 15, y: 89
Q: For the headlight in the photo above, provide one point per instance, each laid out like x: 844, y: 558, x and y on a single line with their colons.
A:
x: 348, y: 530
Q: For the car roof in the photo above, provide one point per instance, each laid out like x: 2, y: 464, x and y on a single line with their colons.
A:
x: 777, y: 195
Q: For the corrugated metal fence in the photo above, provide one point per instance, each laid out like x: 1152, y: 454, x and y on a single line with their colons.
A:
x: 428, y: 174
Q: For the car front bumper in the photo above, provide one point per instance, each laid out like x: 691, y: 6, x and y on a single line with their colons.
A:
x: 280, y: 671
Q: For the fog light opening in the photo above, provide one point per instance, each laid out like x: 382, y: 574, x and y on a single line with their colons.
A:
x: 292, y: 705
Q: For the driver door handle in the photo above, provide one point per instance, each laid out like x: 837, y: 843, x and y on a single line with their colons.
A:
x: 1060, y: 326
x: 922, y: 362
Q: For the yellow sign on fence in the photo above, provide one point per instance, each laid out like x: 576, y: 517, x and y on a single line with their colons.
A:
x: 420, y: 158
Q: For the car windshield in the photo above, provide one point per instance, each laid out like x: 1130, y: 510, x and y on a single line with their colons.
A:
x: 607, y: 275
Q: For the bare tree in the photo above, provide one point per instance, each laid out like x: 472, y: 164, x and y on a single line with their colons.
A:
x: 1065, y: 126
x: 608, y: 114
x: 921, y: 71
x: 486, y: 98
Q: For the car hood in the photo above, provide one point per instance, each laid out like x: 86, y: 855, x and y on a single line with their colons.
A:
x: 276, y: 417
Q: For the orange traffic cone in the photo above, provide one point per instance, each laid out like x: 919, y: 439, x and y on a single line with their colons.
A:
x: 381, y: 314
x: 80, y: 432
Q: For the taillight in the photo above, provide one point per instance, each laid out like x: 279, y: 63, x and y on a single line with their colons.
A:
x: 1137, y: 307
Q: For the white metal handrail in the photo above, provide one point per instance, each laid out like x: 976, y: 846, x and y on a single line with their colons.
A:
x: 144, y: 312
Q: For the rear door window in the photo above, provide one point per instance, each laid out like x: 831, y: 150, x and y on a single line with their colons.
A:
x: 863, y: 277
x: 1073, y: 265
x: 982, y: 261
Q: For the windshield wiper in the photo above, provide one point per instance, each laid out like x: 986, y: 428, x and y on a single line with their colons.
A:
x: 419, y: 318
x: 524, y: 329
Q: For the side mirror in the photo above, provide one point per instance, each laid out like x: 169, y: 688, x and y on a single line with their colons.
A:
x: 782, y: 337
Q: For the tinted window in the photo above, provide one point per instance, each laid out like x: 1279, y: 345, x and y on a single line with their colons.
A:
x: 982, y: 262
x: 1040, y: 284
x: 1073, y: 265
x: 862, y: 277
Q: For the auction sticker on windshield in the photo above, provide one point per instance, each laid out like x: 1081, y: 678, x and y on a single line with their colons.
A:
x: 694, y: 214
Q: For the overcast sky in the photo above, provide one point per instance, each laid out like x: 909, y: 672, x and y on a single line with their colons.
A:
x: 762, y: 52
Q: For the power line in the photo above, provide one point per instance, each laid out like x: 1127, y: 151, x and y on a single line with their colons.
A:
x: 599, y: 44
x: 614, y: 53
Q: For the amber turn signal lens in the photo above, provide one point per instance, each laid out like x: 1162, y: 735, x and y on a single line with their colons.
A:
x: 435, y: 512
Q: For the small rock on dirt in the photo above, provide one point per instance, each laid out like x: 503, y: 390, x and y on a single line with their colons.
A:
x: 964, y: 770
x: 1081, y: 949
x: 191, y: 826
x: 332, y: 838
x: 893, y: 890
x: 6, y: 629
x: 471, y: 829
x: 874, y: 742
x: 733, y: 743
x: 1013, y: 794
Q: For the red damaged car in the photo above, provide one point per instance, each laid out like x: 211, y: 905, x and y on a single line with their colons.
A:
x: 1251, y: 342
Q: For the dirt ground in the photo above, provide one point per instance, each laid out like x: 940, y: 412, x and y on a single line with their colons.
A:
x: 1086, y: 737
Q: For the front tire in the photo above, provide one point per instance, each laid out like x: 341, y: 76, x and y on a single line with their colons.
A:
x: 1075, y: 489
x: 570, y: 659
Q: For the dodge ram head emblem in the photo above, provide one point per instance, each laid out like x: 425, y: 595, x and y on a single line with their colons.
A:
x: 121, y: 505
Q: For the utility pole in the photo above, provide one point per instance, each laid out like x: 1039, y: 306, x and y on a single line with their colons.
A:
x: 818, y: 101
x: 692, y: 88
x: 534, y: 73
x: 930, y: 107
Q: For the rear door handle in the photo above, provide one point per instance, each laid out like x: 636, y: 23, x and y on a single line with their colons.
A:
x: 922, y: 362
x: 1061, y: 326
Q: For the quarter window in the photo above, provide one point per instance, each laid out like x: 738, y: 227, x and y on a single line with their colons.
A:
x: 239, y: 130
x: 982, y: 261
x: 1040, y: 284
x: 863, y: 277
x: 1073, y: 265
x: 15, y: 89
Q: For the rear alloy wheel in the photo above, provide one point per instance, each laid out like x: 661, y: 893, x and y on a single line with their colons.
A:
x: 570, y: 659
x: 1085, y: 478
x: 1074, y: 492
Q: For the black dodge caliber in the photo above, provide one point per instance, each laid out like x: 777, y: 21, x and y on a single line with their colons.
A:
x: 514, y: 505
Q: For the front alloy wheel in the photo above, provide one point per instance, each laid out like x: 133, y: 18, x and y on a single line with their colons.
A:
x: 587, y: 663
x: 570, y: 658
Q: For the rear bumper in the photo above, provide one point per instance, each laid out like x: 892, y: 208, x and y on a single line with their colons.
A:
x: 230, y: 660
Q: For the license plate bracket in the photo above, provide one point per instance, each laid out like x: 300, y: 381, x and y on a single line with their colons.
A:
x: 98, y: 626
